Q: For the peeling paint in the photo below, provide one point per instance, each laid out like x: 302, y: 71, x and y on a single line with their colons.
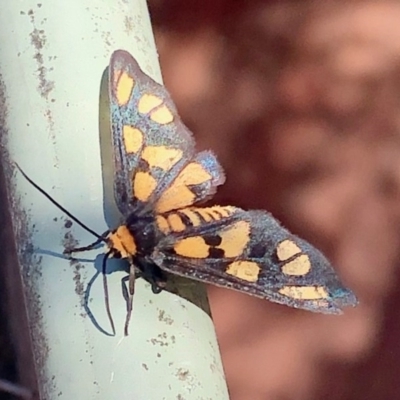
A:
x: 45, y: 86
x: 164, y: 318
x: 38, y: 40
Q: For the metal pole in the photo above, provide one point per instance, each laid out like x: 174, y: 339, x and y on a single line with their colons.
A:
x: 52, y: 60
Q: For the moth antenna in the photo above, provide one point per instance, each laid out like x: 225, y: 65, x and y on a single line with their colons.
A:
x: 91, y: 246
x: 131, y: 292
x: 100, y: 238
x: 59, y: 206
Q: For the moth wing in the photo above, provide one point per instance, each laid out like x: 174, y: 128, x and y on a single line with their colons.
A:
x: 155, y: 163
x: 251, y: 252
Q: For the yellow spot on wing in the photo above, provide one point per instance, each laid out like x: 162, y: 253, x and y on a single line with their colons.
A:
x: 192, y: 247
x: 287, y: 249
x: 143, y: 185
x: 225, y: 211
x: 205, y: 213
x: 194, y: 218
x: 178, y: 195
x: 176, y: 223
x: 233, y: 242
x: 214, y: 212
x: 124, y: 88
x: 193, y: 174
x: 133, y: 139
x: 299, y: 266
x: 235, y: 238
x: 162, y: 224
x: 174, y: 199
x: 162, y: 115
x: 148, y: 102
x: 246, y: 270
x: 123, y: 241
x: 304, y: 292
x: 161, y: 156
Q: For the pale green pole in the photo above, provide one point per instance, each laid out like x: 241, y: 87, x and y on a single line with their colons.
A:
x: 52, y: 58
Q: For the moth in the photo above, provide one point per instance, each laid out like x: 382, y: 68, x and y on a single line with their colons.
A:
x: 160, y: 181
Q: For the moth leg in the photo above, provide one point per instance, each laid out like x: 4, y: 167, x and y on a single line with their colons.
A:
x: 157, y: 288
x: 151, y: 273
x: 154, y: 275
x: 128, y: 295
x: 157, y: 282
x: 105, y: 289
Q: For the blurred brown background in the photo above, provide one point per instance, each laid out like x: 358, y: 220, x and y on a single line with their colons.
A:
x: 301, y: 102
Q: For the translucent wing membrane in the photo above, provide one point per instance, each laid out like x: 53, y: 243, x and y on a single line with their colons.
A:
x: 156, y: 167
x: 251, y: 252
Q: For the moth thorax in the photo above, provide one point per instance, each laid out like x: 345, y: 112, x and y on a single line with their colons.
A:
x: 122, y: 243
x: 142, y: 229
